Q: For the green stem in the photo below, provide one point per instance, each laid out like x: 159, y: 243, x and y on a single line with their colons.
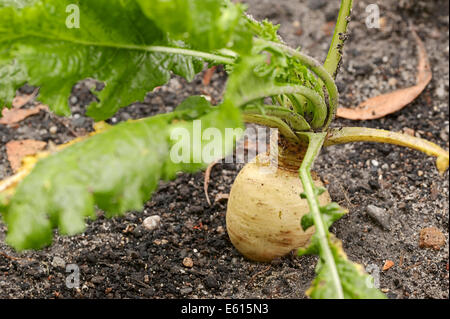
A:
x: 320, y: 71
x: 295, y: 121
x: 148, y: 48
x: 271, y: 121
x: 334, y: 56
x: 198, y: 54
x: 315, y: 144
x: 321, y: 111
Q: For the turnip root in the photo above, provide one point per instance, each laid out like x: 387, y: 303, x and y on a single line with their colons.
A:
x: 265, y: 210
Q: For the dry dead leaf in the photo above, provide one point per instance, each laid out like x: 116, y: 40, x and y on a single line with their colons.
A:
x: 15, y: 115
x: 382, y: 105
x: 17, y: 150
x: 21, y: 100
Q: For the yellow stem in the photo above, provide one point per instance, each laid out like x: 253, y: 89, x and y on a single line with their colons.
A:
x: 363, y: 134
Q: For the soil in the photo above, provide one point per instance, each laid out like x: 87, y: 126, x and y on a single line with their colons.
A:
x: 119, y: 258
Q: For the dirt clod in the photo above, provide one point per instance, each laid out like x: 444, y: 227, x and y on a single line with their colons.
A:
x: 431, y: 237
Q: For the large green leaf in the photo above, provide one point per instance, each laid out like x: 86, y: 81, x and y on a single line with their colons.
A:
x: 114, y: 43
x: 206, y: 25
x: 116, y: 170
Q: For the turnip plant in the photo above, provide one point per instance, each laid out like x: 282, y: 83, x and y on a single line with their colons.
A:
x: 134, y: 46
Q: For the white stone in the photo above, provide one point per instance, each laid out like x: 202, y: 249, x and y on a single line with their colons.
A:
x: 58, y: 262
x: 152, y: 222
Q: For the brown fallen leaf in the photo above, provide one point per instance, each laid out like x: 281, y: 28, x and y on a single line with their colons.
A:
x: 207, y: 177
x: 21, y: 100
x: 17, y: 150
x: 15, y: 115
x: 382, y: 105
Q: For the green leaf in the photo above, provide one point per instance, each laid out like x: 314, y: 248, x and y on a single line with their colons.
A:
x: 206, y: 25
x: 247, y: 83
x: 113, y: 45
x: 356, y: 284
x: 263, y: 29
x: 12, y: 76
x: 330, y: 213
x: 194, y: 106
x: 116, y: 171
x: 16, y: 3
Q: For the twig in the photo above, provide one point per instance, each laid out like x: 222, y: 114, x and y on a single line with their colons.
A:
x: 207, y: 177
x: 13, y: 258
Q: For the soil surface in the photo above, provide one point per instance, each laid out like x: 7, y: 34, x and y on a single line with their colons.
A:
x: 119, y: 258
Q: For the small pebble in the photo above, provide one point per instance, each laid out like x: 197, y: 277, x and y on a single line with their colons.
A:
x: 440, y: 91
x: 220, y: 230
x: 152, y: 222
x: 211, y: 282
x: 379, y: 215
x: 316, y: 4
x: 188, y: 262
x: 73, y: 99
x: 185, y: 291
x: 53, y: 130
x: 409, y: 131
x: 392, y: 82
x: 58, y: 262
x: 387, y: 265
x: 375, y: 163
x: 160, y: 241
x: 97, y: 280
x: 443, y: 134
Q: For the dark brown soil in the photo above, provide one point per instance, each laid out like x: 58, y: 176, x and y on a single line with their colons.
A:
x: 118, y: 258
